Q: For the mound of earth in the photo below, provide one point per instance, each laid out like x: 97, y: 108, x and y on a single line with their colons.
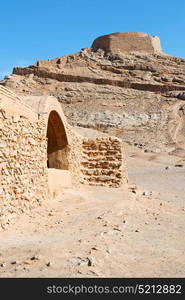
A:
x: 128, y: 87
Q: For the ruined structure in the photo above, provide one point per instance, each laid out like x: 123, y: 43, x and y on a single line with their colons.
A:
x: 126, y: 42
x: 36, y: 138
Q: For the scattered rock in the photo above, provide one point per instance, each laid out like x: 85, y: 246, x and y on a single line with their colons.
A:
x: 50, y: 214
x: 35, y: 257
x: 94, y: 273
x: 77, y: 261
x: 117, y: 228
x: 90, y: 261
x: 2, y: 265
x: 179, y: 165
x: 109, y: 251
x: 145, y: 194
x: 133, y: 188
x: 94, y: 248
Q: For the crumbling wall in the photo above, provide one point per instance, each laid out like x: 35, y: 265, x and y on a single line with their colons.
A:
x: 95, y: 160
x: 126, y: 42
x: 103, y: 162
x: 23, y: 177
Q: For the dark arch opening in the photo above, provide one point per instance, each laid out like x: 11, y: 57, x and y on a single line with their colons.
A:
x: 57, y: 147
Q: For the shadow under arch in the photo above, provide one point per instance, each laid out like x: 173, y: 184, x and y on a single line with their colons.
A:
x: 57, y: 143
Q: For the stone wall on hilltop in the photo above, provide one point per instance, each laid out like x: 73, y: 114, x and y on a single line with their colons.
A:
x: 126, y: 42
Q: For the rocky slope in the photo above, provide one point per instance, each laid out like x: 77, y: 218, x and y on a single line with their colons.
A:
x: 136, y: 95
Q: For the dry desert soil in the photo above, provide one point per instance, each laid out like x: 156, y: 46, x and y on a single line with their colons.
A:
x: 102, y: 232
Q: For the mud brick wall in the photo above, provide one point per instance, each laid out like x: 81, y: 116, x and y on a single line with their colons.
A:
x: 23, y: 178
x: 103, y: 162
x: 127, y: 42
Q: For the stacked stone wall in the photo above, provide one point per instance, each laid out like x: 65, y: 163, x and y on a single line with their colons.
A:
x: 158, y: 88
x: 126, y: 42
x: 23, y: 156
x: 23, y: 177
x: 102, y: 162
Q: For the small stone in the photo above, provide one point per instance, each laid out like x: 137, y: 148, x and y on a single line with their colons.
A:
x: 35, y: 257
x: 133, y: 188
x: 136, y: 230
x: 109, y: 251
x: 94, y: 248
x: 49, y: 264
x: 145, y: 194
x: 2, y: 265
x: 116, y: 228
x: 50, y: 215
x: 179, y: 165
x: 78, y: 261
x: 90, y: 261
x: 14, y: 262
x: 167, y: 167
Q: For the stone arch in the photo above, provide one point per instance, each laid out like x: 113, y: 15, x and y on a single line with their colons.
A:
x: 57, y: 144
x: 50, y: 112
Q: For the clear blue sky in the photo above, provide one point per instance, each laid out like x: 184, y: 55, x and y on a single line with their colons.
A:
x: 43, y: 29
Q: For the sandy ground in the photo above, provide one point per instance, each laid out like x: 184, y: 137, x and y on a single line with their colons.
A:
x: 101, y: 232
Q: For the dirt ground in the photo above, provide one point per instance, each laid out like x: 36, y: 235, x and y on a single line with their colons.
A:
x: 103, y: 232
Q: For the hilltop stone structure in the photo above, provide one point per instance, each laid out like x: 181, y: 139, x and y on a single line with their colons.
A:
x: 127, y: 42
x: 35, y: 138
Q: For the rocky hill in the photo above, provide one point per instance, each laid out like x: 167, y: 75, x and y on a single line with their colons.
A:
x: 123, y: 84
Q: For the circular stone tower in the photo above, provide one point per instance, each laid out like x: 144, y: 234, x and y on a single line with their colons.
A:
x: 127, y: 42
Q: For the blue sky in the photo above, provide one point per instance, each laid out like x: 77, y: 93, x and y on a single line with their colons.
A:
x: 43, y: 29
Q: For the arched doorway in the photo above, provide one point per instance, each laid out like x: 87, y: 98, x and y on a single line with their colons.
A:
x: 57, y: 148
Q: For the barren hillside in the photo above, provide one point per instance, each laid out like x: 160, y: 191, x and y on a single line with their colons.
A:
x: 136, y: 95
